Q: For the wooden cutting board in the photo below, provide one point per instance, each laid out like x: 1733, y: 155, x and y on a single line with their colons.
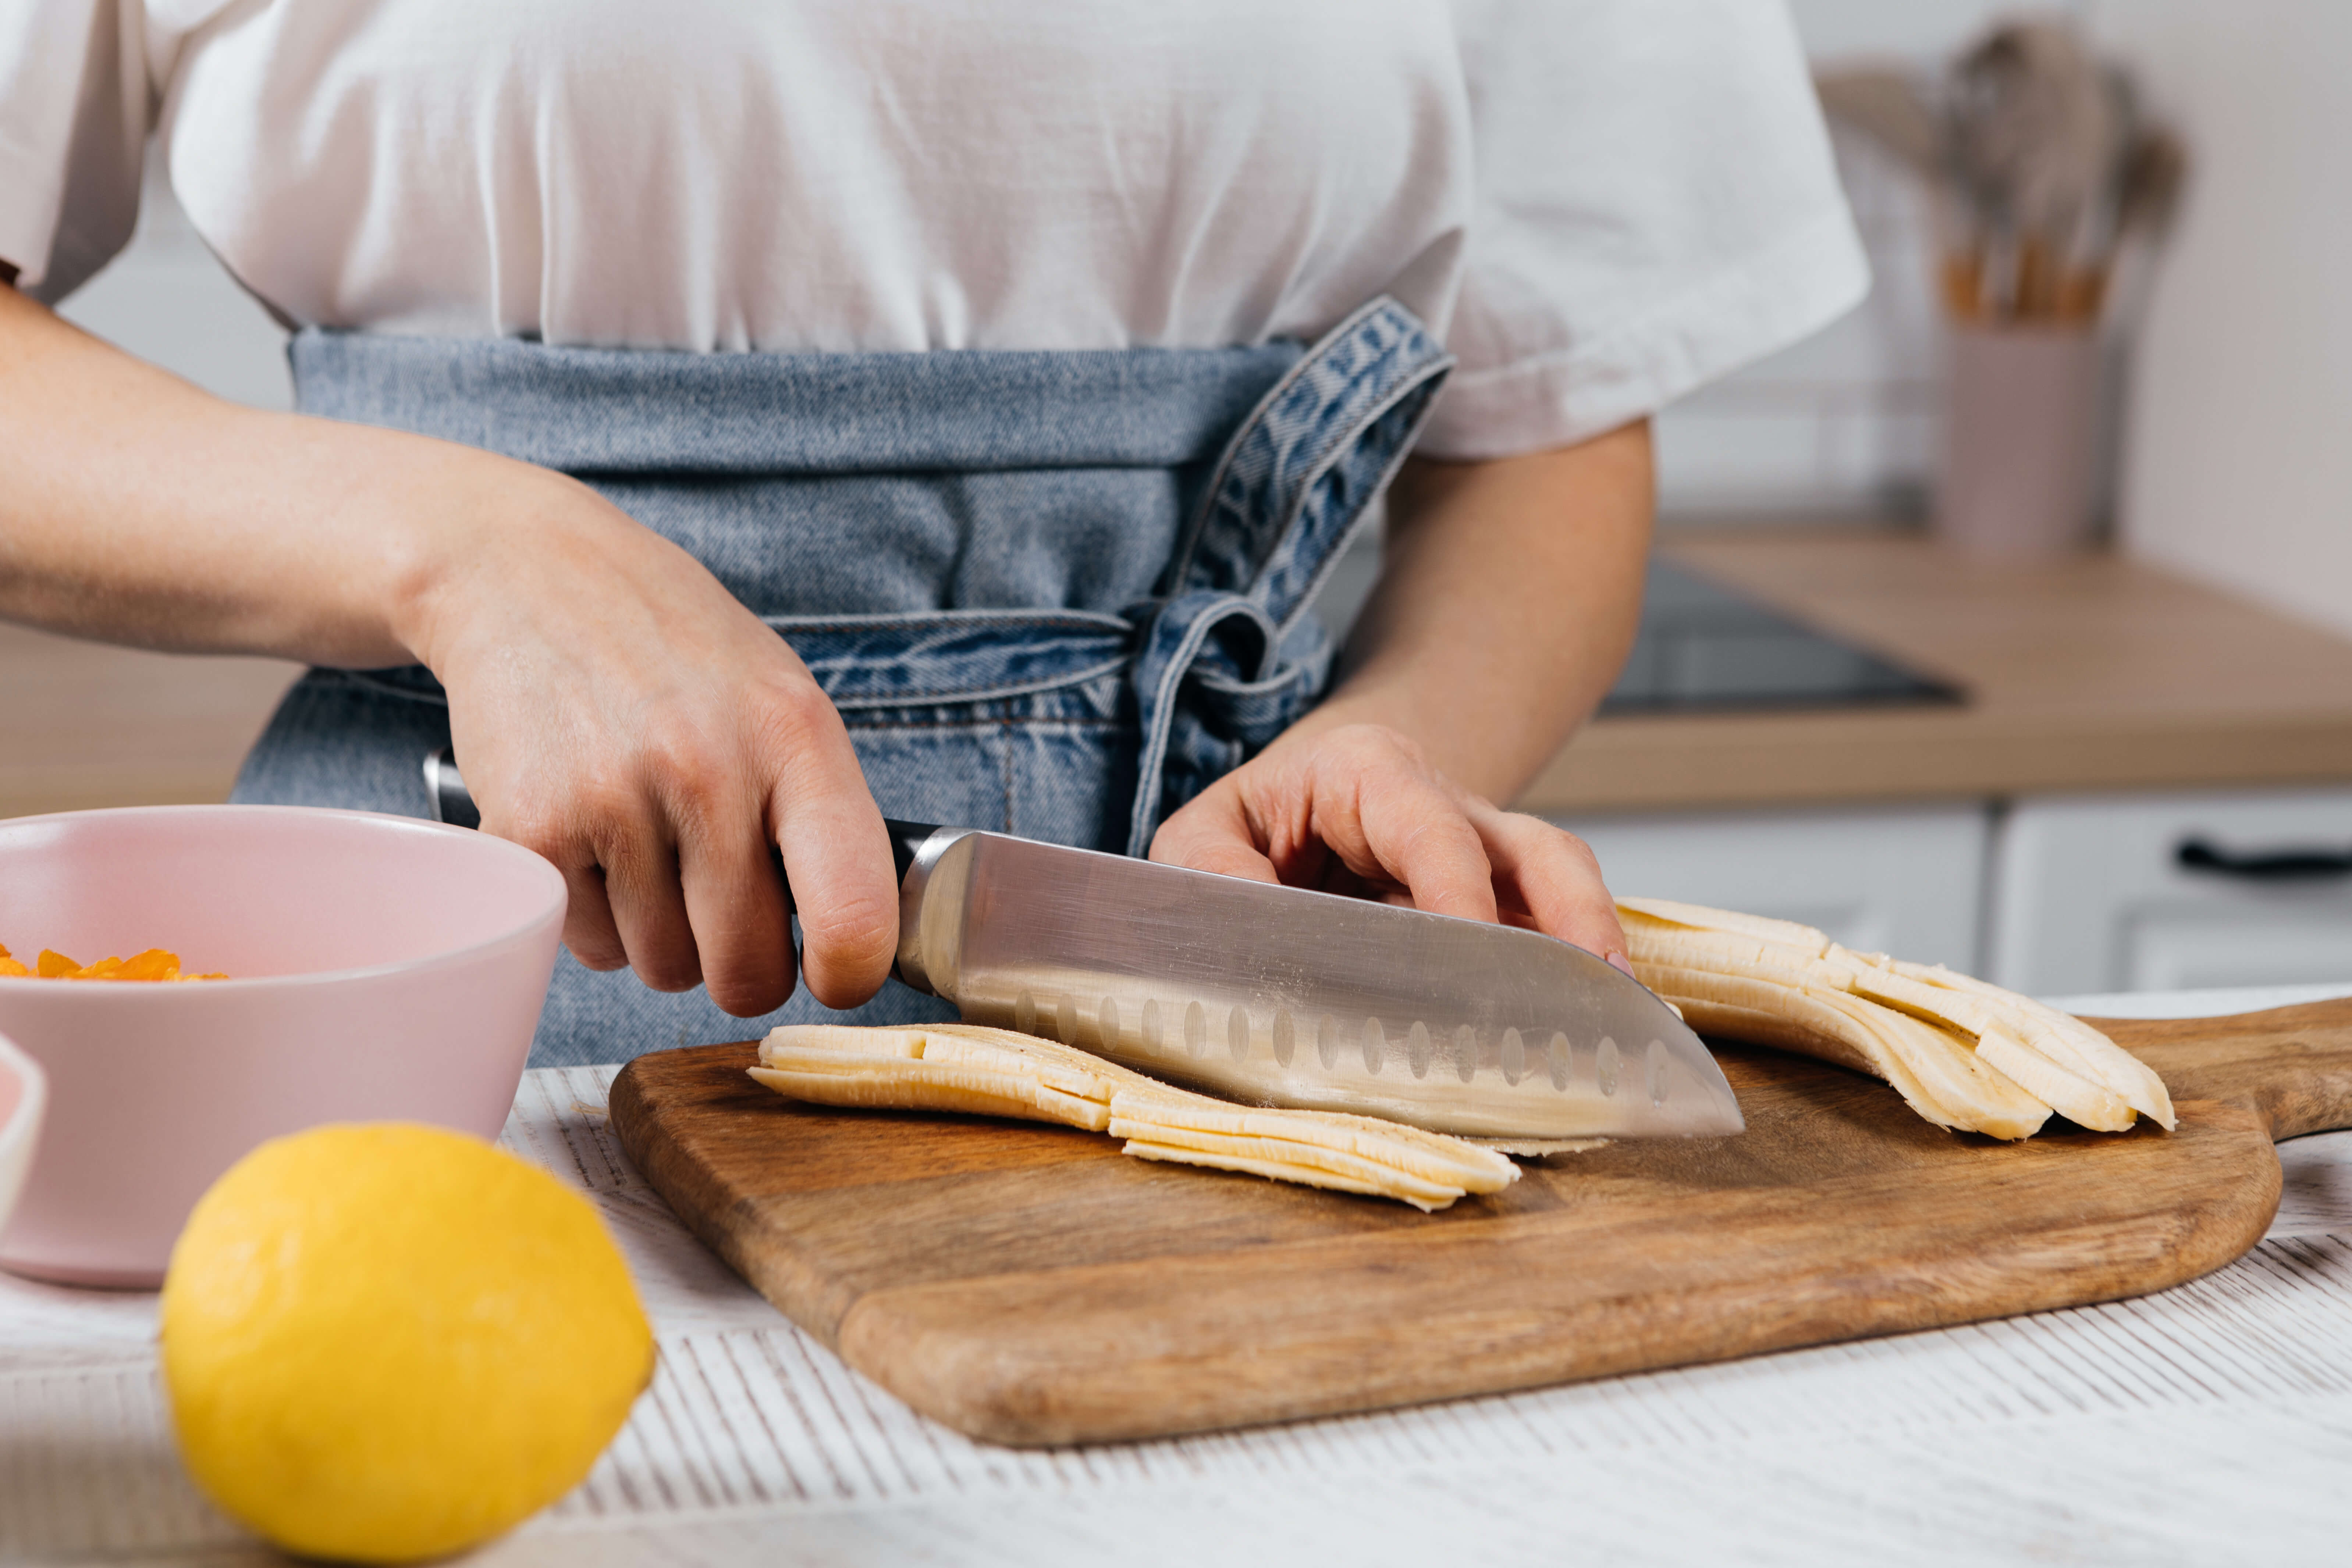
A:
x: 1032, y: 1285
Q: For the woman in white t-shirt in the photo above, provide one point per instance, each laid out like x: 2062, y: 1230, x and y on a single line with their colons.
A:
x: 966, y: 348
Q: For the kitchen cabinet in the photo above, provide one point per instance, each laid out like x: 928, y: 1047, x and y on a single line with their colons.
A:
x: 2095, y: 893
x: 1904, y: 880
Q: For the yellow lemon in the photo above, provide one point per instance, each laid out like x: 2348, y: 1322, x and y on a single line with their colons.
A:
x: 387, y: 1341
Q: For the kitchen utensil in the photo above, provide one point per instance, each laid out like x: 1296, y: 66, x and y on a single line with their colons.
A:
x: 2154, y: 173
x: 2030, y: 149
x: 1031, y: 1285
x: 384, y: 968
x: 1284, y: 996
x: 23, y: 1099
x: 2037, y: 134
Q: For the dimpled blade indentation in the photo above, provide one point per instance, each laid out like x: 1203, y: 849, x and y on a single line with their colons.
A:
x: 1327, y: 1043
x: 1515, y: 1058
x: 1154, y: 1028
x: 1024, y: 1012
x: 1066, y: 1021
x: 1237, y: 1033
x: 1604, y: 1065
x: 1285, y: 1037
x: 1465, y: 1052
x: 1416, y: 1048
x: 1106, y: 1024
x: 1653, y: 1069
x: 1563, y: 1061
x: 1196, y: 1029
x: 1375, y: 1045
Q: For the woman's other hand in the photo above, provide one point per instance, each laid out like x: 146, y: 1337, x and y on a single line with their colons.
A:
x: 1507, y: 603
x: 1359, y: 810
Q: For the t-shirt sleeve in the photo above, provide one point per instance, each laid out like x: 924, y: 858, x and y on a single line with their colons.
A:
x: 75, y: 109
x: 1655, y: 205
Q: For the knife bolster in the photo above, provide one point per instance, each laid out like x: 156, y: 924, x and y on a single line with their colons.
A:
x: 931, y: 906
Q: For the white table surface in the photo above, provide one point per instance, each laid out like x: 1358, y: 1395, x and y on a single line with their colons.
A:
x: 2209, y: 1424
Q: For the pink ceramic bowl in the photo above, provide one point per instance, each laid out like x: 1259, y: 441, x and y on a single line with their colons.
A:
x: 384, y: 968
x: 24, y: 1094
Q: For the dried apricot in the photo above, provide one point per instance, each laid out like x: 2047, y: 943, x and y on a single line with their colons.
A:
x: 156, y: 964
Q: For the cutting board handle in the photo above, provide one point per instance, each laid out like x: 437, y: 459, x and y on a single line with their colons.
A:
x: 2292, y: 1066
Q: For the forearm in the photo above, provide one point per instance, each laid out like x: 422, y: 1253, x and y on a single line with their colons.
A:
x: 618, y: 710
x: 135, y: 508
x: 1507, y: 600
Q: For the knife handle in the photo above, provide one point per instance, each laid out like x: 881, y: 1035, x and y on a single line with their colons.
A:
x: 906, y: 840
x: 453, y: 803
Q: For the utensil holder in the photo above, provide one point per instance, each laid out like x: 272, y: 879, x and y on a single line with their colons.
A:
x: 2020, y: 440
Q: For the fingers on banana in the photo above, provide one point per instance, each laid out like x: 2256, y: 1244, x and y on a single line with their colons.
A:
x: 996, y: 1072
x: 1962, y: 1053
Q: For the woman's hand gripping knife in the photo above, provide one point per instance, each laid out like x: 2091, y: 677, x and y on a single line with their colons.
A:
x: 1508, y: 599
x: 616, y: 708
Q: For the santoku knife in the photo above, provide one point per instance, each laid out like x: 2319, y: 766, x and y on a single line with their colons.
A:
x: 1284, y: 996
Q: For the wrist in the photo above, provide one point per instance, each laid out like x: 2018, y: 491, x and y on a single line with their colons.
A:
x: 467, y: 530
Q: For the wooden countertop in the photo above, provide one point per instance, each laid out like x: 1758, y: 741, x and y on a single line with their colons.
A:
x: 2093, y: 674
x: 2098, y: 673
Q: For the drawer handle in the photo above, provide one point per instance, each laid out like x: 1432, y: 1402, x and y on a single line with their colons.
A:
x: 2266, y: 865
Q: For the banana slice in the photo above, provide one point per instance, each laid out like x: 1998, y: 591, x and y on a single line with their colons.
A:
x: 1283, y: 1161
x: 1429, y: 1157
x: 1962, y: 1053
x: 2056, y: 1073
x: 1698, y: 916
x: 1303, y: 1175
x: 2054, y: 1032
x: 1936, y: 1074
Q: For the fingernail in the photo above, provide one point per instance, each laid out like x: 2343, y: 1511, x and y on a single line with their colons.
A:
x: 1617, y: 961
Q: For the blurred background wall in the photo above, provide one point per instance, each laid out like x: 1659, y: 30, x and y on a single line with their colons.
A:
x: 2237, y: 450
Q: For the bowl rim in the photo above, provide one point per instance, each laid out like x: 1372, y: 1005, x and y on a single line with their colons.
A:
x: 378, y: 821
x: 23, y: 1123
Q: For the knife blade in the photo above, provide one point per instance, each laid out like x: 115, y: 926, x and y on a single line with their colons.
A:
x: 1284, y: 996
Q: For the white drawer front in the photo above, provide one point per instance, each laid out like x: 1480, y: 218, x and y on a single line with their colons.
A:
x: 2089, y: 893
x: 1905, y: 881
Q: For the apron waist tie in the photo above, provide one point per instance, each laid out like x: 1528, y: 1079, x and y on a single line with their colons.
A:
x: 1234, y: 656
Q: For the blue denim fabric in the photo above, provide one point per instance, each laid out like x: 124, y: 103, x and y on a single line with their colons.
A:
x: 1054, y: 594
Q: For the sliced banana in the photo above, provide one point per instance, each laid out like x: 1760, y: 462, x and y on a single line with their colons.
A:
x: 996, y: 1072
x: 1962, y: 1053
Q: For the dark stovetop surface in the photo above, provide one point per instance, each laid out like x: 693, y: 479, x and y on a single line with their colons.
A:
x: 1702, y: 648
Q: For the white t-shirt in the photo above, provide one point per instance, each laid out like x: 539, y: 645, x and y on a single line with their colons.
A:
x: 1598, y: 204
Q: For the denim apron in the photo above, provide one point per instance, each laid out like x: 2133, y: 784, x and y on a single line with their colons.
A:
x: 1052, y: 594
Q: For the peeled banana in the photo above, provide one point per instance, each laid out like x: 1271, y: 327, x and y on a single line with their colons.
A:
x: 996, y: 1072
x: 1963, y: 1053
